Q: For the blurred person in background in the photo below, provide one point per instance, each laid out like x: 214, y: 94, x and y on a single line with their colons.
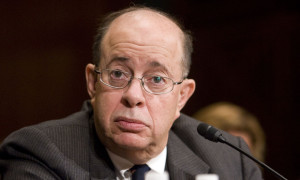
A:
x: 238, y: 122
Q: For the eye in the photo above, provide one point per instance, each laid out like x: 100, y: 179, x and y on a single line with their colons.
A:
x: 117, y: 74
x: 157, y: 79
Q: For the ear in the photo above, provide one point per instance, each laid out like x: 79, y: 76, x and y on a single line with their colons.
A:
x: 186, y: 91
x: 91, y: 79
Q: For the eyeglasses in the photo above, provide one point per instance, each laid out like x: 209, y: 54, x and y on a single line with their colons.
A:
x: 153, y: 84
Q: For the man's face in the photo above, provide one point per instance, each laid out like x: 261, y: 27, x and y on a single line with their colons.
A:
x: 131, y: 120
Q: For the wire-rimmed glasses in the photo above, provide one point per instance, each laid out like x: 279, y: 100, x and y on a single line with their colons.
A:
x: 153, y: 84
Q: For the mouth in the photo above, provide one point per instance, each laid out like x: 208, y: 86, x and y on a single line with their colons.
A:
x: 130, y: 125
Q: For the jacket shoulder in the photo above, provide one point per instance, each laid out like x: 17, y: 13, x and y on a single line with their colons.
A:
x: 61, y: 144
x: 222, y: 159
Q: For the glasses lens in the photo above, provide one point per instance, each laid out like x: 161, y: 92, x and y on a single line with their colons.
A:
x: 157, y: 84
x: 115, y: 78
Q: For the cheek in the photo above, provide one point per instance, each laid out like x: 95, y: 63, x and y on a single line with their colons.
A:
x: 104, y: 105
x: 163, y: 113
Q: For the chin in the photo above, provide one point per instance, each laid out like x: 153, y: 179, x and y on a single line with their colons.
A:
x: 131, y: 141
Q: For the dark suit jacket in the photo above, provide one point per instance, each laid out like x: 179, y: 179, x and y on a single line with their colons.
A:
x: 69, y: 149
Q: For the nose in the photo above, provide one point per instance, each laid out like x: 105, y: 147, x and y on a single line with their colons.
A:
x: 133, y: 94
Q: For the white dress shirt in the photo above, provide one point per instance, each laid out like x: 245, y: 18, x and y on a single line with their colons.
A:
x: 122, y: 165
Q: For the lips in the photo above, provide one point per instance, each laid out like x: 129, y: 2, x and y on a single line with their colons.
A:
x: 130, y: 125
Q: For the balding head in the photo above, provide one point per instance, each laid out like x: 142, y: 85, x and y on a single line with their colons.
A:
x: 133, y: 15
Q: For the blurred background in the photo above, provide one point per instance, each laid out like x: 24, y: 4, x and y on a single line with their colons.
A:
x: 245, y: 52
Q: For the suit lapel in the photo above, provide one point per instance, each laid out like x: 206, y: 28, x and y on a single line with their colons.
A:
x: 101, y: 167
x: 182, y: 163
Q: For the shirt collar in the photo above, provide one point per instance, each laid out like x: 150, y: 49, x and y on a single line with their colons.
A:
x: 122, y: 165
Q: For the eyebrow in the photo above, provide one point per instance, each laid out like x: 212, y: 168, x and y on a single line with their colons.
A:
x: 153, y: 64
x: 116, y: 59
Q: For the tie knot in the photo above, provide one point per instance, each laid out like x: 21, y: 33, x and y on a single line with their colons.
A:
x: 138, y: 171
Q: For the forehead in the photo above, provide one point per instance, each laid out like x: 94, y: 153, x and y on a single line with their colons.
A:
x: 145, y: 20
x: 145, y: 28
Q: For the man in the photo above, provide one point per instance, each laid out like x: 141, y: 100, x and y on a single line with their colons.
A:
x: 138, y: 85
